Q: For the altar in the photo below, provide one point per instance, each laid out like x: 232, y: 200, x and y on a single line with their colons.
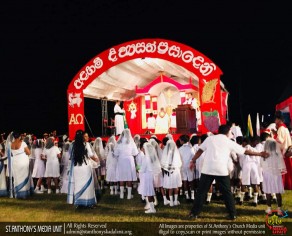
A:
x: 168, y: 94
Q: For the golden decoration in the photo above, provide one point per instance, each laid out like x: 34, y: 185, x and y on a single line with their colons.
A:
x: 208, y: 93
x: 132, y: 106
x: 274, y: 220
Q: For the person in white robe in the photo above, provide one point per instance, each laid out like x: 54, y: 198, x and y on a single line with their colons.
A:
x: 111, y: 165
x: 150, y: 168
x: 65, y: 162
x: 119, y: 118
x: 151, y: 123
x: 125, y: 150
x: 39, y: 165
x: 52, y: 154
x: 171, y: 164
x: 158, y: 183
x: 95, y: 166
x: 273, y: 169
x: 162, y: 122
x: 101, y: 169
x: 188, y: 175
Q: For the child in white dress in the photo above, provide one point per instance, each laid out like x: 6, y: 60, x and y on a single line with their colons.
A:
x: 171, y: 164
x: 150, y: 168
x: 101, y: 170
x: 139, y: 162
x: 39, y: 165
x: 158, y: 183
x: 187, y: 152
x: 52, y: 155
x: 111, y: 165
x: 273, y: 168
x: 125, y: 150
x: 65, y: 163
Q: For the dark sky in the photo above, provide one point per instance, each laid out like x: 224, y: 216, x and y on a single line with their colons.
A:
x: 45, y: 43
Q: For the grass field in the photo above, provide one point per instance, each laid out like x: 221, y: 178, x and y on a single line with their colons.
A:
x: 53, y: 208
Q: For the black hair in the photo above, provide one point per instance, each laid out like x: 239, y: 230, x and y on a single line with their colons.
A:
x: 15, y: 134
x: 178, y: 143
x: 142, y: 141
x: 184, y: 138
x: 246, y: 140
x: 195, y: 139
x: 239, y: 140
x: 164, y: 141
x: 223, y: 129
x: 255, y: 140
x: 264, y: 136
x: 203, y: 137
x: 79, y: 150
x: 103, y: 143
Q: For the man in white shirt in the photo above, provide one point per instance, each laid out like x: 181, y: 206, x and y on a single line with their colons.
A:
x: 217, y: 150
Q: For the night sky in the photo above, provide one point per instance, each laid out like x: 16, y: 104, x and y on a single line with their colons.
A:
x: 45, y: 43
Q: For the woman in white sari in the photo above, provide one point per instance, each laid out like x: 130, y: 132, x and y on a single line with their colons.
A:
x: 20, y: 167
x: 81, y: 190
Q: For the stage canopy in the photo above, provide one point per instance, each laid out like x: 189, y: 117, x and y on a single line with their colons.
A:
x: 115, y: 73
x: 118, y: 82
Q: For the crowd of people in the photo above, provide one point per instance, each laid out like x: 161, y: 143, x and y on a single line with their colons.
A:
x: 194, y: 167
